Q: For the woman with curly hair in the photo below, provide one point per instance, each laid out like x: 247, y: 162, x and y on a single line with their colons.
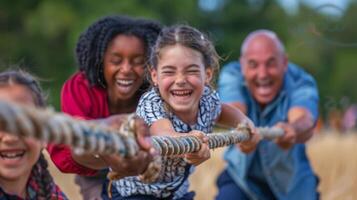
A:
x: 112, y: 56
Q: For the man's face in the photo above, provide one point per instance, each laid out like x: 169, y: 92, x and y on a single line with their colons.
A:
x: 263, y: 67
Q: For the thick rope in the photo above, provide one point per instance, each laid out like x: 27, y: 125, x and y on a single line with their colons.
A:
x: 170, y: 146
x: 89, y: 137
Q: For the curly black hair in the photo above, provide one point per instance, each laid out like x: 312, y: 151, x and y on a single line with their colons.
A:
x: 93, y: 42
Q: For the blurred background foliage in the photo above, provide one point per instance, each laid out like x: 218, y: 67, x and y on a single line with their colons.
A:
x: 40, y: 35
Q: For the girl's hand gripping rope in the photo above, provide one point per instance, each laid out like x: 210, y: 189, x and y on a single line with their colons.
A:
x: 133, y: 127
x: 250, y: 145
x: 203, y: 154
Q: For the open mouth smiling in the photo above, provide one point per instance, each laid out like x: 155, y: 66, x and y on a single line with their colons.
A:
x: 124, y: 83
x: 264, y: 87
x: 181, y: 93
x: 12, y: 154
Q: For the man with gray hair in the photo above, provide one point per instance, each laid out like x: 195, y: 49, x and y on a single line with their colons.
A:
x: 272, y: 92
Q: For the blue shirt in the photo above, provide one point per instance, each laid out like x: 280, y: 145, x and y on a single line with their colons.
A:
x: 287, y: 173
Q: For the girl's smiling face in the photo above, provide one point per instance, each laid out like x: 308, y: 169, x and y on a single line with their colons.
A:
x: 181, y: 76
x: 17, y: 155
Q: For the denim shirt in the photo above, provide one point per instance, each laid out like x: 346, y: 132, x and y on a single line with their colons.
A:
x: 287, y: 172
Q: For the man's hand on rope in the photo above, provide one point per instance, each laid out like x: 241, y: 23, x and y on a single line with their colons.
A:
x: 203, y: 154
x: 289, y: 138
x: 249, y: 145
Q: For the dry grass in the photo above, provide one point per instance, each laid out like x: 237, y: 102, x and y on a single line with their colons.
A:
x: 332, y: 157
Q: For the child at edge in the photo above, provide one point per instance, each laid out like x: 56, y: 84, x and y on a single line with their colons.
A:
x: 183, y: 62
x: 23, y: 167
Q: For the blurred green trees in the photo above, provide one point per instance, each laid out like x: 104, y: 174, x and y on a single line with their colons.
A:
x: 40, y: 35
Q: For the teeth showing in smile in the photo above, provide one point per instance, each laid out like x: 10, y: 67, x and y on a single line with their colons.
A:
x: 125, y: 82
x: 264, y: 87
x: 264, y: 82
x: 181, y: 92
x: 10, y: 155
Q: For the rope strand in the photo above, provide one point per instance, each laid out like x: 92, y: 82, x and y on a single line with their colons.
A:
x: 88, y: 137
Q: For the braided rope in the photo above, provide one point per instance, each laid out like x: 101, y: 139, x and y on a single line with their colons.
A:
x: 169, y: 146
x: 47, y: 126
x: 89, y: 137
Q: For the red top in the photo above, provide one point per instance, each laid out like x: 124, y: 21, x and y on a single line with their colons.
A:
x: 81, y: 100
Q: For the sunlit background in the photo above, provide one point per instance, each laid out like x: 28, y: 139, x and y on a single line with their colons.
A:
x: 320, y: 36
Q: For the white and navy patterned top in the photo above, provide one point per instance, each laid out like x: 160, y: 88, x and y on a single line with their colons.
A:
x: 173, y: 182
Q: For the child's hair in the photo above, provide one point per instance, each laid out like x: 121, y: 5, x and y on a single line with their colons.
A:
x: 39, y: 172
x: 189, y: 37
x: 25, y: 79
x: 93, y: 43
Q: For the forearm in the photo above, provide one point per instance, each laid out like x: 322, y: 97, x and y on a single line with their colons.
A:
x: 230, y: 116
x: 163, y: 127
x: 242, y: 107
x: 304, y: 129
x: 302, y: 122
x: 90, y: 161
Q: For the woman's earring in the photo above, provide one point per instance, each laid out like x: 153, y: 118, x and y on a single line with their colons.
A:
x: 156, y: 87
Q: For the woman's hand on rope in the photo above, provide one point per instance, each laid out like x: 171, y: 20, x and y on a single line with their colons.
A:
x: 139, y: 163
x: 289, y: 138
x: 128, y: 166
x: 203, y: 154
x: 251, y: 144
x: 143, y: 135
x: 114, y: 121
x: 141, y: 129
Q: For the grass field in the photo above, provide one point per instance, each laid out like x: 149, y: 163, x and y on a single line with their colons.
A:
x: 332, y: 157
